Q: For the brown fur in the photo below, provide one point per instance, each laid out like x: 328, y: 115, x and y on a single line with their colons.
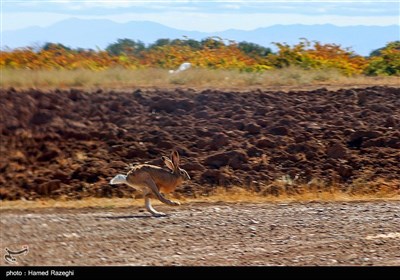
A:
x: 153, y: 180
x: 165, y: 180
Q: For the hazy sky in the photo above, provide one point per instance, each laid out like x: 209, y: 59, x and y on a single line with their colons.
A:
x: 202, y: 15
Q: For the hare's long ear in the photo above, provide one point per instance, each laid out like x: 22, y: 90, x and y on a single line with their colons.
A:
x: 168, y: 163
x: 175, y: 158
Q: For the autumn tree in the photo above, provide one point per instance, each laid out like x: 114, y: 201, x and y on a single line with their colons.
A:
x: 385, y: 61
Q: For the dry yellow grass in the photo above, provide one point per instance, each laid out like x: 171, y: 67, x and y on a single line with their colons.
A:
x: 233, y: 195
x: 119, y: 78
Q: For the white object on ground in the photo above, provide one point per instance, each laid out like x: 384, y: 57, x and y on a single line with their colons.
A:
x: 183, y: 67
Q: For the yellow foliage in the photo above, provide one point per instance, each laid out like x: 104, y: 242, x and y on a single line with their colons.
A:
x: 213, y: 54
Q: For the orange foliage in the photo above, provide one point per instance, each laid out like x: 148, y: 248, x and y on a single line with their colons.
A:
x: 318, y: 56
x: 223, y: 57
x: 58, y: 58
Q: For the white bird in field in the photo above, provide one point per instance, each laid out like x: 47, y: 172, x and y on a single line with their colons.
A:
x: 183, y: 67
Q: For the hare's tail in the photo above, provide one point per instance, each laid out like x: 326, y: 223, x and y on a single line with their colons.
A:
x: 119, y: 179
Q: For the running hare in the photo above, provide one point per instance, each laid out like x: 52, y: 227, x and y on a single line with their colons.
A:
x: 153, y: 180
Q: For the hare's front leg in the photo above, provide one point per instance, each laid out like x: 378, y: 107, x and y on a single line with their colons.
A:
x: 152, y: 185
x: 172, y: 203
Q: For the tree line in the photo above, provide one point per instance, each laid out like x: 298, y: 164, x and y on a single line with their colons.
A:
x: 211, y: 52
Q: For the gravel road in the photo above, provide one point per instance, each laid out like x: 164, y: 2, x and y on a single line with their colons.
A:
x: 198, y: 234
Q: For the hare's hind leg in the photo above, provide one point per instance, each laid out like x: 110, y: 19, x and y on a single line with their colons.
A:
x: 150, y: 208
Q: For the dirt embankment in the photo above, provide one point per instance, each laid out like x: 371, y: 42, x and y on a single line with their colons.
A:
x: 72, y: 142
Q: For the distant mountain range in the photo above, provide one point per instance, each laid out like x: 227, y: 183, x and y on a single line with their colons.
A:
x: 82, y: 33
